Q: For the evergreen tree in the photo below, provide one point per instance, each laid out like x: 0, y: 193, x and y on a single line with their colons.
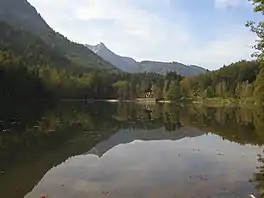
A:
x: 173, y: 92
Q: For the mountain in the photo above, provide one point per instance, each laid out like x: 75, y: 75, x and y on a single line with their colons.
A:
x: 128, y: 64
x: 123, y: 63
x: 165, y: 67
x: 20, y: 13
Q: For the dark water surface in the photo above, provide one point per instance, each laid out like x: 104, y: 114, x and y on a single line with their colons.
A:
x: 131, y: 151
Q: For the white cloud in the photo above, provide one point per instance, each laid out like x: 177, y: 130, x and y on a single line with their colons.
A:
x: 128, y: 18
x: 230, y: 3
x: 131, y: 30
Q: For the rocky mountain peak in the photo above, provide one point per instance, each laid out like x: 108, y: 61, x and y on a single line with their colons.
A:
x: 128, y: 64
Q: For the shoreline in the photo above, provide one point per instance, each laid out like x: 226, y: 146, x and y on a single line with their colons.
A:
x: 209, y: 102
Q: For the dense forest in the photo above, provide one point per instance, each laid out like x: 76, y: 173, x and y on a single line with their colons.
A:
x: 233, y: 81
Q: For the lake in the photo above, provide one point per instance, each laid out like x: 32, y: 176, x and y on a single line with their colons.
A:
x: 129, y: 150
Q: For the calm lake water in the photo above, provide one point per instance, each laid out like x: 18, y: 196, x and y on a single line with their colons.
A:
x: 77, y: 150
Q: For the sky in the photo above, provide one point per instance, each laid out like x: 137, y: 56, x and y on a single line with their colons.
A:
x: 209, y: 33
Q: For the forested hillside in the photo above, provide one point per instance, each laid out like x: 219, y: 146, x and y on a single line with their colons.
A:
x: 20, y: 56
x: 233, y: 81
x: 28, y: 63
x: 20, y: 14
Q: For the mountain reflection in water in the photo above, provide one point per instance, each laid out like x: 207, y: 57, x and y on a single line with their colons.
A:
x: 131, y: 150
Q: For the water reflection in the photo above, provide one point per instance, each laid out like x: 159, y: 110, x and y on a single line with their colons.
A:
x: 155, y: 169
x: 131, y: 150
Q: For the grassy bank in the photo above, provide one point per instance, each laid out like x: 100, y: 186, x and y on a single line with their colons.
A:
x: 215, y: 102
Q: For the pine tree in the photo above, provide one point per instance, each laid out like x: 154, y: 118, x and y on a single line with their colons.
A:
x: 173, y: 92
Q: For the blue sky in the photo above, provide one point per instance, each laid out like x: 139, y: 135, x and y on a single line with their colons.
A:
x: 209, y: 33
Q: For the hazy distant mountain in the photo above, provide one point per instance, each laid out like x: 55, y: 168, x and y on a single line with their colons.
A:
x: 165, y: 67
x: 21, y: 14
x: 130, y: 65
x: 124, y: 63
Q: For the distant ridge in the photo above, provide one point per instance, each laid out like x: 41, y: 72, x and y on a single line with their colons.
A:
x: 130, y: 65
